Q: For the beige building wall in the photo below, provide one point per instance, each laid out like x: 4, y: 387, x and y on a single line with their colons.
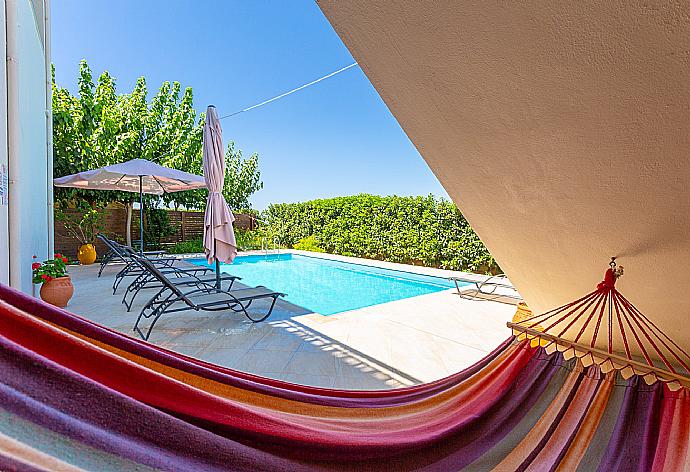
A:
x: 560, y: 129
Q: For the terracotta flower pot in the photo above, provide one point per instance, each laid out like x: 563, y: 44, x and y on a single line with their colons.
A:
x: 57, y: 291
x: 87, y: 254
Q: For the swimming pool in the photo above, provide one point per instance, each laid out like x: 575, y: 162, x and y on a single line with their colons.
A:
x: 327, y: 286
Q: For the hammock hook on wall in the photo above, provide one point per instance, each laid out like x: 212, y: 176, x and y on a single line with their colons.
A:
x: 605, y: 328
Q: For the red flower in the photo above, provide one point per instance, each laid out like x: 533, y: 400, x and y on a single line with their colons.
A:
x: 58, y: 256
x: 34, y: 256
x: 45, y: 277
x: 64, y: 259
x: 49, y: 278
x: 35, y: 265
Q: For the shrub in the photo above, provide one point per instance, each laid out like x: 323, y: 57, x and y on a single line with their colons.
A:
x: 156, y: 227
x: 248, y: 240
x: 309, y: 244
x: 413, y: 230
x: 186, y: 247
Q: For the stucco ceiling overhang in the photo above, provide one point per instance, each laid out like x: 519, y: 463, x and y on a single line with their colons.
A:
x: 560, y: 129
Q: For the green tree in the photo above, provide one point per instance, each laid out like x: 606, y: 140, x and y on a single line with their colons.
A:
x: 98, y: 127
x: 174, y: 139
x: 242, y: 178
x: 74, y: 123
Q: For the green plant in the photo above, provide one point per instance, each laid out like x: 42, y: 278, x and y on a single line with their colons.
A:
x: 49, y: 269
x: 187, y: 247
x: 248, y: 240
x: 413, y: 230
x: 98, y: 127
x: 156, y: 226
x: 242, y: 177
x: 83, y: 224
x: 308, y: 244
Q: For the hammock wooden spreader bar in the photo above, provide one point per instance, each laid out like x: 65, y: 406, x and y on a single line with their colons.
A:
x: 76, y: 396
x: 634, y: 344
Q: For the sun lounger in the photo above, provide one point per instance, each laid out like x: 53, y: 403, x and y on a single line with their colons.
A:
x: 198, y: 277
x: 134, y: 269
x: 171, y: 299
x: 496, y: 286
x: 114, y: 255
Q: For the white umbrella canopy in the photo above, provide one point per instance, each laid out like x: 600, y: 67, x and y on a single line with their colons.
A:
x: 219, y: 236
x: 137, y: 175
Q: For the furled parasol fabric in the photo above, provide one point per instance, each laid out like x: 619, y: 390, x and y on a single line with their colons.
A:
x: 77, y: 396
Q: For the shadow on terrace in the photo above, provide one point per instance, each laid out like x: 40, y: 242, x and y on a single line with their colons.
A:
x: 281, y: 347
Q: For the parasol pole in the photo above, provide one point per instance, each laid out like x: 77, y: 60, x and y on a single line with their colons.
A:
x: 215, y: 256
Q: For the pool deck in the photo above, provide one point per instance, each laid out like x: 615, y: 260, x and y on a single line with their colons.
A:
x: 404, y: 342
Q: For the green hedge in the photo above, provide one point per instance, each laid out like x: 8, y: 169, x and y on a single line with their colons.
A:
x: 308, y: 244
x: 413, y: 230
x: 187, y: 247
x: 246, y: 241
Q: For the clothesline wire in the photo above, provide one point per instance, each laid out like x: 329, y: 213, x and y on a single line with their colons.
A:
x: 277, y: 97
x: 290, y: 92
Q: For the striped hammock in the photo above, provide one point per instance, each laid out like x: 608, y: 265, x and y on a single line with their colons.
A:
x: 77, y: 396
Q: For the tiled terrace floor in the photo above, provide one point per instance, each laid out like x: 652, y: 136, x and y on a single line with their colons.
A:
x: 400, y: 343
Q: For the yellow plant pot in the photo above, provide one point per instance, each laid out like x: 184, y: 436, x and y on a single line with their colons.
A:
x: 87, y: 254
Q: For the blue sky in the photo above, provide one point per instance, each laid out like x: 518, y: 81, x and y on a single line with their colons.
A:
x: 335, y: 138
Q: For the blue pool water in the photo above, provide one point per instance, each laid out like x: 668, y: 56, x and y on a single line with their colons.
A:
x: 328, y: 287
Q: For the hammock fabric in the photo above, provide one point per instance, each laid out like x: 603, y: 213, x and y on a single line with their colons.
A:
x: 77, y: 396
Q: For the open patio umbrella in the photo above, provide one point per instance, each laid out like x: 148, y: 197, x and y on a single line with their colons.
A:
x: 219, y: 236
x: 137, y: 175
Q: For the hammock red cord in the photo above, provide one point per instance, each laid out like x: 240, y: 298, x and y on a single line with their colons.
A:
x: 625, y: 326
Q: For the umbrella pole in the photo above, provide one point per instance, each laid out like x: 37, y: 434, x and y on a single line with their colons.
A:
x: 141, y: 215
x: 217, y: 265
